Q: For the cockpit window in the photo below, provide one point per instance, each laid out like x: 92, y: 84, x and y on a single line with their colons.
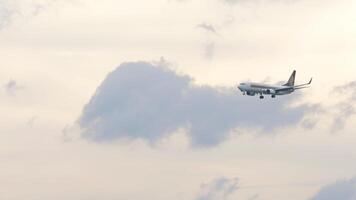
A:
x: 242, y: 83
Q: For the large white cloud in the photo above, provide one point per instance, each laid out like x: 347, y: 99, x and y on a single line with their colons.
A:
x: 142, y: 101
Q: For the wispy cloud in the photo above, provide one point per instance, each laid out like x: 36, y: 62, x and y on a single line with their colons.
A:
x: 208, y: 27
x: 218, y: 189
x: 11, y: 9
x: 6, y: 13
x: 209, y: 48
x: 345, y: 108
x: 339, y: 113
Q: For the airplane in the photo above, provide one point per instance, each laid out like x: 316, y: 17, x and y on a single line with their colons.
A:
x: 251, y: 89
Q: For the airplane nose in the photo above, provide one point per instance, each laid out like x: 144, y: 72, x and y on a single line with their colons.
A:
x: 239, y: 88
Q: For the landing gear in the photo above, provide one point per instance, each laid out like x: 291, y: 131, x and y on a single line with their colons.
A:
x: 261, y: 97
x: 273, y: 96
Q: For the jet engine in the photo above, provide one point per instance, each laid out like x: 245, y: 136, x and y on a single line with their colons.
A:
x: 271, y: 91
x: 250, y: 93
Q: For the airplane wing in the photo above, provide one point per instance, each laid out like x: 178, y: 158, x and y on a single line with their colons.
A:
x: 297, y: 86
x: 283, y: 89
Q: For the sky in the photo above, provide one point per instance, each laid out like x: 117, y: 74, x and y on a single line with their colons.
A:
x: 137, y: 100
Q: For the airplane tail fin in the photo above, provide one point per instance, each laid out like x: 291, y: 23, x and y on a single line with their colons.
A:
x: 291, y: 80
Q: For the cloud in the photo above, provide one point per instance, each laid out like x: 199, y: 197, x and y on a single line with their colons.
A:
x: 5, y: 13
x: 208, y: 27
x: 10, y: 9
x: 12, y: 87
x: 254, y: 197
x: 141, y: 100
x: 344, y: 108
x: 342, y: 190
x: 339, y: 112
x: 209, y: 50
x: 344, y: 111
x: 219, y: 189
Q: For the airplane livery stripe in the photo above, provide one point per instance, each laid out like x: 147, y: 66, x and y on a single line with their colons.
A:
x: 262, y: 86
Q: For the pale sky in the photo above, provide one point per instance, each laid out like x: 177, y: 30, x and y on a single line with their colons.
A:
x: 131, y: 100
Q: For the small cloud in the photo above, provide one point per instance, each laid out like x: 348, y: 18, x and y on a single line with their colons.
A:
x: 209, y: 47
x: 209, y: 50
x: 309, y: 123
x: 344, y: 111
x: 341, y: 190
x: 12, y: 87
x: 10, y: 9
x: 208, y: 27
x: 344, y: 108
x: 218, y: 189
x: 254, y: 197
x: 6, y: 13
x: 347, y: 88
